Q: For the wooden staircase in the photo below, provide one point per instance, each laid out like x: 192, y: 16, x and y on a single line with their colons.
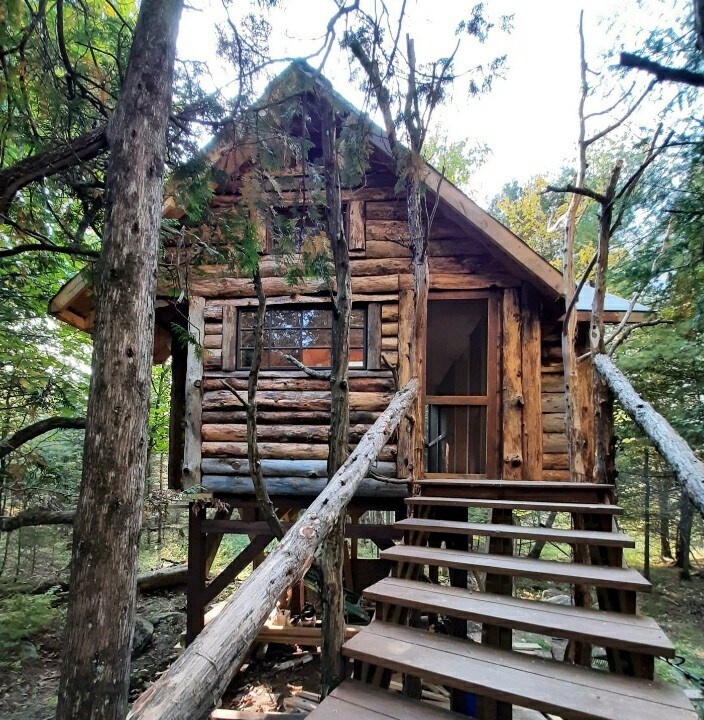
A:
x: 487, y: 679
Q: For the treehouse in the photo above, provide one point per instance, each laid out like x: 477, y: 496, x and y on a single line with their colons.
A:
x: 493, y: 399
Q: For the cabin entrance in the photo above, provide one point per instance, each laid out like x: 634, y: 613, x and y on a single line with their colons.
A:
x: 461, y: 400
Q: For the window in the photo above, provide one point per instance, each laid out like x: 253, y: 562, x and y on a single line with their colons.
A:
x: 304, y: 333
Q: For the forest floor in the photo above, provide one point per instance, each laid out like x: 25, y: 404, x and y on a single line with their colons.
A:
x: 30, y: 665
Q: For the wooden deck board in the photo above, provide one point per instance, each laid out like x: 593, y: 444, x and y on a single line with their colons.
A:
x: 585, y: 508
x: 357, y: 701
x: 618, y: 630
x: 597, y: 576
x: 573, y: 537
x: 571, y: 692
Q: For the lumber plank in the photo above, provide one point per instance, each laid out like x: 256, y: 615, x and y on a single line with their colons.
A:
x: 543, y: 685
x: 356, y: 701
x: 571, y: 537
x: 581, y: 508
x: 619, y: 630
x: 597, y: 576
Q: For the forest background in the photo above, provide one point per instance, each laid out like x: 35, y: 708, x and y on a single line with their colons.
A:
x: 61, y: 70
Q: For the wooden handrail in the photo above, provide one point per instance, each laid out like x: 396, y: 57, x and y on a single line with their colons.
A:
x: 201, y: 675
x: 688, y: 469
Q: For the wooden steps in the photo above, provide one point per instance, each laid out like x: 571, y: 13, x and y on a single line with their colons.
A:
x: 359, y: 701
x: 597, y: 576
x: 571, y: 537
x: 543, y: 685
x: 634, y: 633
x: 544, y: 505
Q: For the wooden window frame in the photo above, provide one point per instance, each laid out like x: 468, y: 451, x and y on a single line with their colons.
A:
x: 301, y: 308
x: 492, y: 399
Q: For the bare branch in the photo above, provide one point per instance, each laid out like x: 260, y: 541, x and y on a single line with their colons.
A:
x: 581, y: 284
x: 662, y: 73
x: 317, y: 374
x: 627, y: 331
x: 236, y: 393
x: 575, y: 190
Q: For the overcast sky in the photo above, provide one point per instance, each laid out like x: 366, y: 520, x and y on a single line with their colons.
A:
x: 528, y: 120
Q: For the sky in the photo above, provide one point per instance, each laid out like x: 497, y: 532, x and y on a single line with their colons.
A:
x: 528, y: 120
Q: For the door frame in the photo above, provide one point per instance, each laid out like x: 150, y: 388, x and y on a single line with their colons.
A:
x: 492, y: 399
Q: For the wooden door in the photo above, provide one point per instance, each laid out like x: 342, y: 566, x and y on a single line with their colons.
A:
x: 461, y: 385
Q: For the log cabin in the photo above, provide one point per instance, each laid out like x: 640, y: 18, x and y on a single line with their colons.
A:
x: 493, y: 392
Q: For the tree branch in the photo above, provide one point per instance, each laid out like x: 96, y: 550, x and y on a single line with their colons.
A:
x: 36, y: 516
x: 662, y: 73
x: 575, y: 190
x: 12, y: 442
x: 317, y: 374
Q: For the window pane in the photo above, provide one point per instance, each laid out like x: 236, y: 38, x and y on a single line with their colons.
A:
x: 284, y: 318
x: 457, y: 347
x: 317, y: 357
x: 357, y: 318
x: 282, y: 338
x: 248, y: 319
x: 356, y: 337
x: 316, y: 338
x: 356, y: 357
x: 317, y: 318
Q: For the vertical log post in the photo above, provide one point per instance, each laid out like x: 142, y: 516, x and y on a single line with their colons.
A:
x: 194, y: 393
x: 197, y: 557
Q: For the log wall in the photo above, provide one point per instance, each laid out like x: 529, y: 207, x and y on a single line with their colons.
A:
x: 294, y: 408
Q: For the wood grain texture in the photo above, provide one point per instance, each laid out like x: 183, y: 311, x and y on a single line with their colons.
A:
x: 194, y: 404
x: 512, y: 396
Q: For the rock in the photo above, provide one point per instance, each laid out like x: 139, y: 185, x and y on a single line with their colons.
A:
x: 160, y: 617
x: 559, y: 600
x: 27, y: 651
x: 143, y: 632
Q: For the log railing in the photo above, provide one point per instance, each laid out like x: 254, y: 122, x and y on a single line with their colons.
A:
x: 201, y: 675
x: 688, y: 469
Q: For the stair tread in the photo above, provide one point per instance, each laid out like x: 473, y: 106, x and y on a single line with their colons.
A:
x: 543, y: 685
x: 588, y: 537
x: 636, y: 633
x: 596, y: 575
x: 353, y: 700
x: 522, y: 484
x: 589, y: 508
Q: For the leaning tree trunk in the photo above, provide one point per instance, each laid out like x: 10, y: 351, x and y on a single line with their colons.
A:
x: 100, y: 621
x: 331, y: 556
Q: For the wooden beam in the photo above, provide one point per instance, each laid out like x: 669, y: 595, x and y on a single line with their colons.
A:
x: 194, y: 405
x: 532, y: 386
x: 512, y: 388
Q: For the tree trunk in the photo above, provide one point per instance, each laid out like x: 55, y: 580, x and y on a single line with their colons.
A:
x: 664, y: 517
x: 646, y: 502
x: 684, y: 536
x: 605, y: 464
x: 688, y: 469
x: 255, y: 463
x: 200, y: 676
x: 101, y: 610
x: 331, y: 556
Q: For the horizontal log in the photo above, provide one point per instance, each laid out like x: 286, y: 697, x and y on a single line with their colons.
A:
x: 295, y: 486
x: 378, y: 249
x: 301, y: 384
x: 554, y: 422
x: 313, y: 400
x: 390, y: 210
x: 554, y: 442
x: 229, y: 287
x: 556, y: 475
x: 461, y: 247
x: 162, y: 578
x: 452, y: 281
x: 553, y: 383
x: 280, y: 468
x: 389, y: 312
x: 389, y: 329
x: 555, y: 461
x: 213, y: 306
x: 275, y: 417
x: 281, y: 451
x: 553, y: 402
x: 278, y: 433
x: 389, y: 343
x: 687, y: 467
